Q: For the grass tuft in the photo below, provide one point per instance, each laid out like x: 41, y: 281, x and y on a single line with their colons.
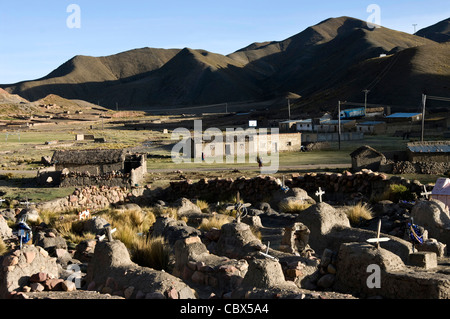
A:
x: 294, y: 207
x: 358, y: 213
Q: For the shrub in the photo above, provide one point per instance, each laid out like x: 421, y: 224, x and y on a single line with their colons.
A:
x: 397, y: 192
x: 358, y: 213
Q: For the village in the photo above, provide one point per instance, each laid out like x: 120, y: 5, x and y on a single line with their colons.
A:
x: 357, y: 208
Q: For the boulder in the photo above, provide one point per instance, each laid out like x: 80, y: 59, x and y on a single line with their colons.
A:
x: 172, y: 230
x: 95, y: 225
x: 5, y: 230
x: 433, y: 216
x: 237, y: 241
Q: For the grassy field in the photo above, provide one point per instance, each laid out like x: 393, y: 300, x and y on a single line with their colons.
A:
x: 21, y: 159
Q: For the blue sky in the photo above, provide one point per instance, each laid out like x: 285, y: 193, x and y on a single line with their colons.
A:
x: 35, y: 38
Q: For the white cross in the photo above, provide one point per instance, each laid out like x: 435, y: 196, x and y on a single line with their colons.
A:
x: 108, y: 232
x: 266, y: 254
x: 319, y: 193
x: 26, y: 203
x: 378, y: 239
x: 425, y: 193
x: 1, y: 201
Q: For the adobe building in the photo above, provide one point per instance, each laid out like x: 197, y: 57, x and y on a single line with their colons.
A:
x: 95, y: 167
x: 435, y: 151
x: 243, y: 144
x: 367, y: 157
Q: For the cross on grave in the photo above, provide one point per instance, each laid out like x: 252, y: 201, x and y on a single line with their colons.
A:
x: 319, y: 193
x: 377, y: 240
x: 1, y: 201
x: 26, y: 203
x: 108, y: 233
x: 266, y: 254
x: 425, y: 193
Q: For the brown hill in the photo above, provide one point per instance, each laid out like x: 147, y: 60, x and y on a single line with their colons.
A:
x: 397, y: 80
x: 439, y: 32
x: 332, y: 60
x: 7, y: 98
x: 82, y: 76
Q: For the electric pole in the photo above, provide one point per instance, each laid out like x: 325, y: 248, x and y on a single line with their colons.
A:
x: 415, y: 25
x: 365, y: 100
x: 289, y: 108
x: 339, y: 124
x: 424, y: 101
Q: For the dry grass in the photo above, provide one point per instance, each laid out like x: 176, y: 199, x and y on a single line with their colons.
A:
x: 358, y: 213
x: 216, y: 221
x: 152, y: 252
x: 294, y: 207
x: 203, y: 205
x: 3, y: 248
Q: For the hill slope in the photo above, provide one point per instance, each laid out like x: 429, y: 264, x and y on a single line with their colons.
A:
x: 335, y: 59
x: 439, y: 32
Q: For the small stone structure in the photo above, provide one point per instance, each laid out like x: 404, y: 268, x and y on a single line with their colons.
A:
x: 94, y: 167
x: 368, y: 158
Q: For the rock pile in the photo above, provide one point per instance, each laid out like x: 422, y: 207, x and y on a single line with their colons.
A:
x: 94, y: 198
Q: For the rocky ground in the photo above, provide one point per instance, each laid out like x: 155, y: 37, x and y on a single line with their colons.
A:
x: 315, y: 254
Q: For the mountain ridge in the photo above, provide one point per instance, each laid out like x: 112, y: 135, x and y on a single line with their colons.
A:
x: 311, y: 62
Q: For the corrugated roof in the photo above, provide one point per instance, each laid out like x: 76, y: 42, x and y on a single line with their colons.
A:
x: 402, y: 115
x: 439, y: 148
x: 371, y: 123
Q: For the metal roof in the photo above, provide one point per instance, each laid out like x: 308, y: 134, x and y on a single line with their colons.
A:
x: 438, y: 148
x: 371, y: 123
x: 402, y: 115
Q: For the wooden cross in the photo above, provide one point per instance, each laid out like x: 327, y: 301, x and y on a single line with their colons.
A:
x: 108, y: 233
x: 319, y: 193
x: 377, y: 240
x: 425, y: 193
x: 266, y: 254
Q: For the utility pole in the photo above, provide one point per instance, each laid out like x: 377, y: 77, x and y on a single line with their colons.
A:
x: 289, y: 108
x: 424, y: 101
x: 415, y: 25
x: 339, y: 124
x: 365, y: 100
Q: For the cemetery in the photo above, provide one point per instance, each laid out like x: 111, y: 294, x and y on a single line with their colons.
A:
x: 243, y: 238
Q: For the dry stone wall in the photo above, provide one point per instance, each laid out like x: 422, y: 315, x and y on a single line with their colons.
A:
x: 94, y: 198
x: 337, y: 186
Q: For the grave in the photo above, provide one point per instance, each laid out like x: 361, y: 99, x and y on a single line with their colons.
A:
x: 111, y: 270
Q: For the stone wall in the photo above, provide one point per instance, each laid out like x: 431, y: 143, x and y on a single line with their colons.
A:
x: 95, y: 198
x: 429, y: 167
x: 337, y: 186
